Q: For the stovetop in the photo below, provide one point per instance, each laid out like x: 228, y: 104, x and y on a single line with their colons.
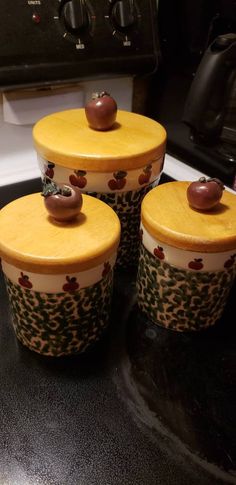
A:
x: 144, y: 406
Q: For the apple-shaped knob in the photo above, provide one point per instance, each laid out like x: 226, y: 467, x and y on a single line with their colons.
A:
x: 62, y: 203
x: 204, y: 194
x: 101, y: 111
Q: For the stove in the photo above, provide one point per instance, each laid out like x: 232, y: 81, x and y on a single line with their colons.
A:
x: 145, y: 405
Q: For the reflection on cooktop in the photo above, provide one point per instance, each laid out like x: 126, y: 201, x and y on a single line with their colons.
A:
x: 183, y: 384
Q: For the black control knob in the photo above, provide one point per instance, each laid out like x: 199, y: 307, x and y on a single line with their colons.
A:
x: 75, y: 15
x: 123, y: 14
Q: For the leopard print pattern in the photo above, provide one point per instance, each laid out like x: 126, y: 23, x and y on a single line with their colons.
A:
x: 127, y: 205
x: 181, y: 299
x: 60, y: 323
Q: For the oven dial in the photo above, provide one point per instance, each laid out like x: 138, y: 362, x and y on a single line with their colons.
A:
x: 122, y: 14
x: 75, y: 15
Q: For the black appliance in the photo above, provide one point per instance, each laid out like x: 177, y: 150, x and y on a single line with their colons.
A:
x: 59, y: 40
x: 196, y: 84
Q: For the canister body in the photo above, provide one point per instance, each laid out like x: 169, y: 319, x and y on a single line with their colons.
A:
x: 59, y: 275
x: 183, y: 290
x: 187, y: 262
x: 60, y: 314
x: 118, y: 166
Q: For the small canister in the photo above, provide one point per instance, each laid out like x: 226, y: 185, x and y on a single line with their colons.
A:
x: 58, y: 275
x: 188, y: 258
x: 118, y: 166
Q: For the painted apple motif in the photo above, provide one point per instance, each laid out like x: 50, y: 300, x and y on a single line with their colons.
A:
x: 230, y: 262
x: 205, y: 194
x: 25, y: 281
x: 119, y: 180
x: 146, y: 175
x: 196, y: 264
x: 159, y: 252
x: 49, y: 172
x: 78, y: 179
x: 71, y: 285
x: 101, y: 111
x: 106, y: 269
x: 62, y: 203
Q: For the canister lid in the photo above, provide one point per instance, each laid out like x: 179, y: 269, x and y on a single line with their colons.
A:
x: 167, y: 216
x: 66, y: 139
x: 31, y: 240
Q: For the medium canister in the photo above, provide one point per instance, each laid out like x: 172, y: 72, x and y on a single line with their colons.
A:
x: 58, y: 275
x: 188, y: 258
x: 118, y: 166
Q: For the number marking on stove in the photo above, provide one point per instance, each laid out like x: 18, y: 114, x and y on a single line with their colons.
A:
x: 79, y: 45
x: 126, y: 42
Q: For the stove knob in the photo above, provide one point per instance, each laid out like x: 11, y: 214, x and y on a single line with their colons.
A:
x: 75, y: 15
x: 123, y: 14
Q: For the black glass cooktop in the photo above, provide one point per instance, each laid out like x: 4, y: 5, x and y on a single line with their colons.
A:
x: 146, y: 406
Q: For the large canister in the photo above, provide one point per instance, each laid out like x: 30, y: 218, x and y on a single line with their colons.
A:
x: 188, y: 258
x: 118, y: 166
x: 58, y: 275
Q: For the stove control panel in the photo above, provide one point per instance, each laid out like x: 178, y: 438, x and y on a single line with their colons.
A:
x: 42, y: 40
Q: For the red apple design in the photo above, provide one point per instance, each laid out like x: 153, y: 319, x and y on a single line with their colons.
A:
x: 230, y: 262
x: 24, y: 281
x: 159, y: 253
x: 49, y: 172
x: 71, y: 286
x: 119, y: 180
x: 106, y: 269
x: 78, y: 179
x: 145, y: 176
x: 196, y: 264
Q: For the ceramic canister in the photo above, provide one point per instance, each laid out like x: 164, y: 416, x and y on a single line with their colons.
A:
x: 118, y: 166
x: 58, y: 275
x: 188, y: 258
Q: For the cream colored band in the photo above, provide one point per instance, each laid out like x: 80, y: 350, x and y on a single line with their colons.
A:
x: 193, y: 261
x: 51, y: 283
x: 104, y: 182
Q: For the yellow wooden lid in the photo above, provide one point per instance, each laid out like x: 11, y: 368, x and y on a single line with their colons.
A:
x: 32, y: 241
x: 66, y: 139
x: 168, y: 217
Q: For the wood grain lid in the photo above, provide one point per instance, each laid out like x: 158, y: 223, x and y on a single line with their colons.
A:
x: 66, y: 139
x: 168, y: 217
x: 31, y: 240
